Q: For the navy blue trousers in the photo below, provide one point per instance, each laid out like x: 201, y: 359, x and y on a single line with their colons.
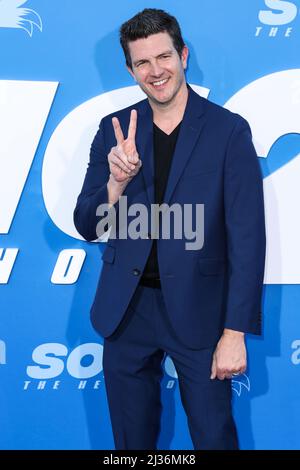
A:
x: 132, y: 365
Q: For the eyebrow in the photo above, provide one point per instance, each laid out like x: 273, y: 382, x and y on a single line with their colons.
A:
x: 169, y: 51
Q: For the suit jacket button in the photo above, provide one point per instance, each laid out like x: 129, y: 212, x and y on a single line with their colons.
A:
x: 136, y: 272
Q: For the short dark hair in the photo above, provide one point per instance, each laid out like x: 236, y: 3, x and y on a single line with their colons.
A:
x: 147, y: 22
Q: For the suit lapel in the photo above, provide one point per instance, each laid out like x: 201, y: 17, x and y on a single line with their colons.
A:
x: 190, y: 129
x: 144, y: 144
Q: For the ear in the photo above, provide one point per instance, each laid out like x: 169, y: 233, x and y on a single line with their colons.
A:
x: 184, y: 56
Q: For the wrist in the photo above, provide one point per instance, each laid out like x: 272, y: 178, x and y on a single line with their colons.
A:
x: 115, y: 189
x: 116, y: 185
x: 233, y: 333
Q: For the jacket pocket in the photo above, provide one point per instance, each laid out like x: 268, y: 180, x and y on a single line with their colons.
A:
x: 211, y: 267
x: 108, y: 254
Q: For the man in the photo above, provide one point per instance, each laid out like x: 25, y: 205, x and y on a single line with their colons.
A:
x: 155, y: 296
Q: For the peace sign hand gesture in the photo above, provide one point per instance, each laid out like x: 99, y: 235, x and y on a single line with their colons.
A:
x: 124, y: 161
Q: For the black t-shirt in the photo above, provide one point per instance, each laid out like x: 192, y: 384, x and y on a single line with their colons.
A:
x: 163, y: 150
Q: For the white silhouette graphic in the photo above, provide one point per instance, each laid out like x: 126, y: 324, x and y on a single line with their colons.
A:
x: 24, y: 108
x: 240, y: 381
x: 11, y: 16
x: 271, y: 104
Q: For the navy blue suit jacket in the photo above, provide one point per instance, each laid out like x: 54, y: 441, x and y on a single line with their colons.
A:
x: 214, y: 163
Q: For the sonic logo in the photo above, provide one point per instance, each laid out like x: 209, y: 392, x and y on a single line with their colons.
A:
x: 279, y: 13
x: 12, y: 16
x: 240, y: 381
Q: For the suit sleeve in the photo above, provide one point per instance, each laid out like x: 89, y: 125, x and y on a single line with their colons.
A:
x: 245, y: 226
x: 94, y: 190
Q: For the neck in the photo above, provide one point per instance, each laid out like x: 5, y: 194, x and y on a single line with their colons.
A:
x: 172, y: 111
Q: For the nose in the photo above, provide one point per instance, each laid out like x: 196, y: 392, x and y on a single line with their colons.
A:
x: 156, y: 70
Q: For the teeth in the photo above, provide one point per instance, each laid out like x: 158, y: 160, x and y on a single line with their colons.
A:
x: 160, y: 83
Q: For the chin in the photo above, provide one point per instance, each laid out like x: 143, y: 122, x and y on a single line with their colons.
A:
x: 166, y: 99
x: 160, y: 100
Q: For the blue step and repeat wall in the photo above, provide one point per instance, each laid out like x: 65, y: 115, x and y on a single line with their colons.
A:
x: 61, y: 70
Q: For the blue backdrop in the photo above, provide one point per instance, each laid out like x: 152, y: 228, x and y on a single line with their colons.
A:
x: 52, y: 393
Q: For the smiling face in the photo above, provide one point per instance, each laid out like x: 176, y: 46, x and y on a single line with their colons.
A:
x: 157, y: 67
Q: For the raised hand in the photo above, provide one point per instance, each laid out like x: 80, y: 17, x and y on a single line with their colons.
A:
x: 124, y: 161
